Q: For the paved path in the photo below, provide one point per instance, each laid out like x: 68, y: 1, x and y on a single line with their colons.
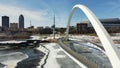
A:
x: 58, y: 59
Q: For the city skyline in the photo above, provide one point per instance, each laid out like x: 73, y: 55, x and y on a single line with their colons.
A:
x: 7, y: 24
x: 41, y: 12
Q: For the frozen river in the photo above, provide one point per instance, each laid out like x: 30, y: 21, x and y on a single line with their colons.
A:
x: 57, y: 58
x: 20, y: 58
x: 31, y: 58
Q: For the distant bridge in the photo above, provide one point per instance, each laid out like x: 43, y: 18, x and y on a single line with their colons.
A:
x: 108, y: 44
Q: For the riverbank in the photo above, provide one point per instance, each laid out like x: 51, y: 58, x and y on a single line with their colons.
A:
x: 95, y: 39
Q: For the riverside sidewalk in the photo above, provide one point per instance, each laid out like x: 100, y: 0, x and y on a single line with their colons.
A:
x: 58, y: 59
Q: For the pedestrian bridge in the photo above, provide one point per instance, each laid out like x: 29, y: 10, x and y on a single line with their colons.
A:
x: 108, y: 44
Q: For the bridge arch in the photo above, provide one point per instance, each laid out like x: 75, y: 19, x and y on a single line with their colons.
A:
x: 108, y: 44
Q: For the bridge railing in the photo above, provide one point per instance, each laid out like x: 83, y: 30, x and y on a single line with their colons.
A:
x: 77, y: 56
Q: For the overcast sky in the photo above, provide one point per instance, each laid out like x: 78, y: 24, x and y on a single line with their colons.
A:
x: 41, y: 12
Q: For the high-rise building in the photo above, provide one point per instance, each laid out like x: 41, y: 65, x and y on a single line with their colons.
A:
x: 21, y: 21
x: 5, y: 22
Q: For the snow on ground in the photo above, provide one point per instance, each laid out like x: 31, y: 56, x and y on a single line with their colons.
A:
x: 116, y: 37
x: 35, y: 37
x: 94, y: 39
x: 84, y: 37
x: 44, y: 50
x: 52, y: 62
x: 58, y: 58
x: 12, y: 41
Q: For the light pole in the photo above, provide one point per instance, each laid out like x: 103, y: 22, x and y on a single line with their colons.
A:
x: 54, y: 27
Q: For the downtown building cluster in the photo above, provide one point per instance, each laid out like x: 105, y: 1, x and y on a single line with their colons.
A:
x: 112, y: 25
x: 6, y: 25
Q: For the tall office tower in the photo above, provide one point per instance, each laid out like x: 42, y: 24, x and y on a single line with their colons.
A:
x: 5, y: 22
x: 21, y: 21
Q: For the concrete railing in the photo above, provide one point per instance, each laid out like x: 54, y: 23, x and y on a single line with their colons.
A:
x: 79, y: 57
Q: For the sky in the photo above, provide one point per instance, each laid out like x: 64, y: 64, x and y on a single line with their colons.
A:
x: 41, y: 12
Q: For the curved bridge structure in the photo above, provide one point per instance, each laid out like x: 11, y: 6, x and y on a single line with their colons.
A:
x: 109, y: 46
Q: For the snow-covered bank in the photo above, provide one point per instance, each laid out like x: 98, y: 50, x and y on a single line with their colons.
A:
x: 95, y: 39
x: 35, y: 37
x: 52, y: 62
x: 58, y: 58
x: 43, y: 60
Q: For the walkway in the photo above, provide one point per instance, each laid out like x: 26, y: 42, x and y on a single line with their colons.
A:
x: 58, y: 59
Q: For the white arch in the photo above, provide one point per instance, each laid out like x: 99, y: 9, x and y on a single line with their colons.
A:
x: 108, y: 44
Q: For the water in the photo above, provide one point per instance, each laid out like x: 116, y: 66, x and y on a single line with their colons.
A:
x: 91, y: 52
x: 35, y: 57
x: 20, y: 58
